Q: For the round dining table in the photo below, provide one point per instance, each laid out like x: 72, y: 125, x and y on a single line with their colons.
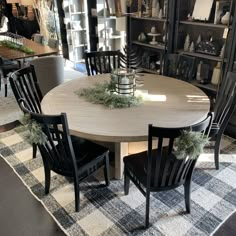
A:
x: 168, y: 102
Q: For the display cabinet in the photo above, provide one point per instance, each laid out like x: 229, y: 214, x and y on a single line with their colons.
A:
x: 151, y: 32
x: 75, y: 20
x: 202, y: 30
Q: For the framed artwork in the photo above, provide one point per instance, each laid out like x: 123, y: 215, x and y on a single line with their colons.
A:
x: 202, y: 9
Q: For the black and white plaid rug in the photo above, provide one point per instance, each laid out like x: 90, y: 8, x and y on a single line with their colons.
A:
x: 107, y: 211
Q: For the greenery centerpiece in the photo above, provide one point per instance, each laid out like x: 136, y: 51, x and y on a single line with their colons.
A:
x: 103, y: 93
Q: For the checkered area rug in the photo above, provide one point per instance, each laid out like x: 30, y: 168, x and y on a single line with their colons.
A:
x: 107, y: 211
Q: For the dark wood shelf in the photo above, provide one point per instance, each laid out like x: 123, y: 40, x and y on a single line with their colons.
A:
x: 209, y: 87
x: 201, y: 55
x: 148, y: 18
x: 197, y: 23
x: 159, y: 47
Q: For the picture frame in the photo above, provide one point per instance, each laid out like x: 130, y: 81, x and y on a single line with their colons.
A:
x: 202, y: 10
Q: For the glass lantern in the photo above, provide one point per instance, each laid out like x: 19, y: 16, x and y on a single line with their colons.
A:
x: 124, y: 81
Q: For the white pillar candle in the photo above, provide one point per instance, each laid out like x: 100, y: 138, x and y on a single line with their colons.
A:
x: 124, y: 87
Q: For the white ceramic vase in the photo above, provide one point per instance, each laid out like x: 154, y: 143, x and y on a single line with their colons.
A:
x: 225, y: 18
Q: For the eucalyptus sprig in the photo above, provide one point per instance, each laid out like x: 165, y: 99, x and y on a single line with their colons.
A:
x: 102, y: 94
x: 190, y: 144
x: 34, y: 133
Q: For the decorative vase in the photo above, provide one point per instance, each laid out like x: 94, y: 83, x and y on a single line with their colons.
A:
x: 154, y: 8
x: 225, y: 18
x: 142, y: 37
x: 158, y: 8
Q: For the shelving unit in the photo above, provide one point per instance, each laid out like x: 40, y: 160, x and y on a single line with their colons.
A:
x: 152, y: 55
x: 76, y: 29
x: 103, y: 32
x: 219, y: 32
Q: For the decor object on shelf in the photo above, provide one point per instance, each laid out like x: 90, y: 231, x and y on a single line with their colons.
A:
x: 204, y: 73
x: 153, y: 30
x: 155, y: 8
x: 192, y: 47
x: 198, y: 75
x: 154, y: 35
x: 202, y: 10
x: 225, y: 18
x: 222, y: 51
x: 216, y: 74
x: 160, y: 13
x: 199, y: 39
x: 142, y: 37
x: 118, y: 7
x: 221, y: 7
x: 189, y: 17
x: 129, y: 2
x: 208, y: 47
x: 147, y: 8
x: 139, y: 8
x: 165, y: 8
x: 187, y: 43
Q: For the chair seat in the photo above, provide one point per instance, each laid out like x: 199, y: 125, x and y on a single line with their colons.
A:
x: 87, y: 151
x: 137, y: 164
x: 87, y: 154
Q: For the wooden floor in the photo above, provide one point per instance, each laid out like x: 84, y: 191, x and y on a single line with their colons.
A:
x: 21, y: 214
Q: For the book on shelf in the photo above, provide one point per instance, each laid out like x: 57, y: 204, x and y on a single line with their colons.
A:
x: 221, y: 7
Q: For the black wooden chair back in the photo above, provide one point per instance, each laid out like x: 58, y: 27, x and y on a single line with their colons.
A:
x: 57, y: 152
x: 169, y: 172
x: 24, y: 85
x: 101, y: 62
x: 224, y: 108
x: 159, y: 169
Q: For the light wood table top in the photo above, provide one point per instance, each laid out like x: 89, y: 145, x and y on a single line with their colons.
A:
x: 172, y: 103
x: 39, y: 50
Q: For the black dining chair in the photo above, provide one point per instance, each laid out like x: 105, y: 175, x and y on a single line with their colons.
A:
x: 67, y: 158
x: 224, y: 108
x: 158, y: 168
x: 25, y: 86
x: 100, y: 62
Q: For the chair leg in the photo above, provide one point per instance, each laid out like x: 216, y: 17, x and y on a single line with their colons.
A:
x: 5, y: 90
x: 126, y: 182
x: 34, y: 150
x: 106, y: 170
x: 217, y: 150
x: 47, y: 173
x: 187, y: 192
x: 77, y: 194
x: 147, y: 208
